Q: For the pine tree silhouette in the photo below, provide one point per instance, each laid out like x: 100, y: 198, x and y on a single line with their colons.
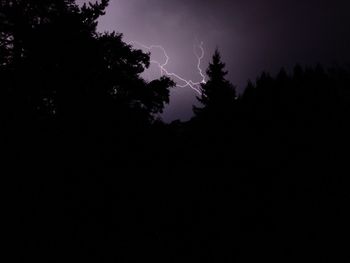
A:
x: 218, y: 94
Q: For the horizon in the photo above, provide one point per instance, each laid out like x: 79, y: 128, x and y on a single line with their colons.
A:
x: 252, y: 37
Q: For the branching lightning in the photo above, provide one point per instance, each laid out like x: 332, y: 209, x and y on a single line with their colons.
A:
x: 163, y: 71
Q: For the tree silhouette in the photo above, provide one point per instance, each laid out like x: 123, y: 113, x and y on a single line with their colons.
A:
x: 58, y: 66
x: 218, y: 94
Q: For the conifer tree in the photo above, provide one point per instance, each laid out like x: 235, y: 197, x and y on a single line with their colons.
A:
x: 218, y: 94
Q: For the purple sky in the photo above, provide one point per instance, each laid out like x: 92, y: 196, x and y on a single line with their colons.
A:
x: 252, y: 35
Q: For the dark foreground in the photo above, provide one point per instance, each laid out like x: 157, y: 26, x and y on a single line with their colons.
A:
x: 170, y: 195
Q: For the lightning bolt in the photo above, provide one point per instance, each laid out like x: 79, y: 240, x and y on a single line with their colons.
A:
x: 162, y: 66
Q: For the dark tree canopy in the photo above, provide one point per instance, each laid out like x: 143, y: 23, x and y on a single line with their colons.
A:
x: 57, y: 66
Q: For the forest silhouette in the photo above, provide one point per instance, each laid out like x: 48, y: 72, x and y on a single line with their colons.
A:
x: 94, y: 175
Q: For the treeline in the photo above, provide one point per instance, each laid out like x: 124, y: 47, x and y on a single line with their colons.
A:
x: 93, y: 175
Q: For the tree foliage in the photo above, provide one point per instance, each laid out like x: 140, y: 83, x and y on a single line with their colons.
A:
x: 57, y: 65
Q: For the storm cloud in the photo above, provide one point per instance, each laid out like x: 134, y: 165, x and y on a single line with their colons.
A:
x: 252, y: 35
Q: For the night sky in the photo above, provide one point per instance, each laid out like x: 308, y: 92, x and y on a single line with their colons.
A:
x: 252, y: 35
